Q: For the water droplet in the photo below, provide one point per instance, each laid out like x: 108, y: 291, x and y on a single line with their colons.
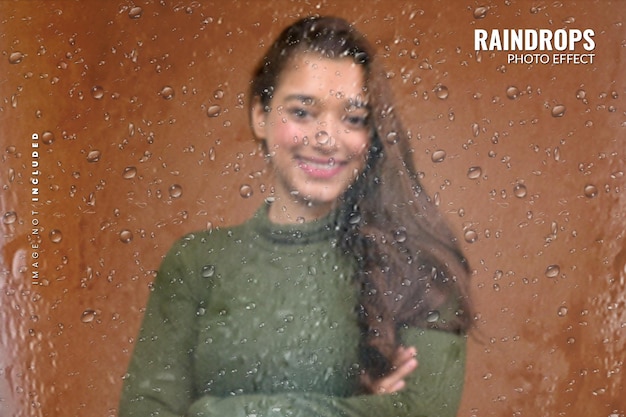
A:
x: 126, y: 236
x: 129, y: 173
x: 16, y: 57
x: 214, y: 111
x: 167, y: 92
x: 512, y: 92
x: 97, y: 92
x: 562, y: 311
x: 475, y: 129
x: 474, y: 173
x: 519, y: 190
x: 135, y: 12
x: 480, y: 12
x: 88, y: 316
x: 591, y: 191
x: 93, y: 156
x: 245, y: 191
x: 438, y: 156
x: 441, y: 91
x: 176, y: 191
x: 392, y: 137
x: 9, y: 217
x: 553, y: 271
x: 470, y: 236
x: 581, y: 94
x: 218, y: 94
x: 56, y: 236
x: 47, y: 137
x: 400, y: 235
x: 208, y: 271
x: 432, y: 316
x: 558, y: 110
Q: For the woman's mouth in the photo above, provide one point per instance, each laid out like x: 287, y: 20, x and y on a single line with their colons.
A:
x: 322, y: 168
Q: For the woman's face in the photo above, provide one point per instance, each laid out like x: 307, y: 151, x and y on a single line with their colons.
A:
x: 317, y: 132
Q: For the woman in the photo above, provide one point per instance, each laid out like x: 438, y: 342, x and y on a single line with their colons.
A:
x: 320, y: 304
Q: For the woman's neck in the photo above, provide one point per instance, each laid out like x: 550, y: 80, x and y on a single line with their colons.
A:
x: 293, y: 211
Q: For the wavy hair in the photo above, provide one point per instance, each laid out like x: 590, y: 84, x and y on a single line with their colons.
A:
x: 411, y: 271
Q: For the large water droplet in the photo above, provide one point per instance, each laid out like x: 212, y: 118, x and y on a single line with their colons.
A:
x: 519, y: 190
x: 175, y: 191
x: 470, y: 236
x: 474, y: 173
x: 126, y: 236
x: 129, y: 173
x: 214, y: 111
x: 135, y: 12
x: 93, y: 156
x: 245, y: 191
x: 167, y: 92
x: 562, y: 311
x: 438, y: 156
x: 88, y: 316
x: 591, y: 191
x: 432, y: 316
x: 9, y: 217
x: 512, y: 92
x: 558, y: 110
x: 47, y: 137
x: 475, y: 129
x: 553, y: 271
x: 581, y: 94
x: 480, y: 12
x: 441, y: 91
x: 208, y: 271
x: 97, y: 92
x: 16, y: 57
x: 56, y: 236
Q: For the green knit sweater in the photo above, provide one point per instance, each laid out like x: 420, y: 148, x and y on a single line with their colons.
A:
x: 259, y: 320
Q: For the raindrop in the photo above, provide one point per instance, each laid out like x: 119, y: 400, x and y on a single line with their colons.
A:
x: 562, y: 311
x: 93, y: 156
x: 167, y: 92
x: 245, y: 191
x: 591, y: 191
x: 47, y: 137
x: 519, y: 190
x: 470, y: 236
x: 208, y: 271
x: 432, y: 316
x: 88, y: 316
x: 9, y: 217
x: 480, y: 12
x: 16, y: 57
x: 135, y: 12
x: 214, y: 111
x: 129, y: 173
x: 56, y: 236
x: 558, y: 110
x: 126, y: 236
x: 218, y: 94
x: 553, y: 271
x: 392, y: 137
x: 323, y: 138
x: 474, y: 173
x: 581, y: 94
x: 438, y: 156
x: 441, y: 91
x: 97, y: 92
x: 512, y: 92
x: 400, y: 235
x: 475, y: 129
x: 176, y: 191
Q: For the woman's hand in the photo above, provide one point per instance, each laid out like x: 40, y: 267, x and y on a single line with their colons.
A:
x: 404, y: 363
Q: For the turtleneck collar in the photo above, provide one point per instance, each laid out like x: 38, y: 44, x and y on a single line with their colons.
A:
x: 294, y: 234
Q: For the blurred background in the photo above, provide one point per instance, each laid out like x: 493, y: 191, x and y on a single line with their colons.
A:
x: 140, y: 114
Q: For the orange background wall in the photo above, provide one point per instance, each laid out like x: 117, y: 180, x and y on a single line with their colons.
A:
x: 120, y: 93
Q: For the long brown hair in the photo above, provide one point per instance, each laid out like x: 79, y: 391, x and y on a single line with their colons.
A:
x: 411, y: 271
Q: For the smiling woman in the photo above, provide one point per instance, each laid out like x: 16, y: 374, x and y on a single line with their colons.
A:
x: 324, y: 301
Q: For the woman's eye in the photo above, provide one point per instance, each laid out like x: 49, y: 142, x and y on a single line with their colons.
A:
x: 356, y: 120
x: 299, y: 112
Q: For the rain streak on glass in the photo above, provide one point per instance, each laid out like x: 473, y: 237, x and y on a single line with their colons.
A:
x: 438, y: 156
x: 245, y: 191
